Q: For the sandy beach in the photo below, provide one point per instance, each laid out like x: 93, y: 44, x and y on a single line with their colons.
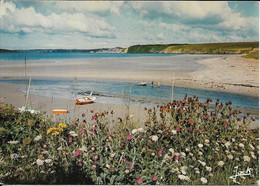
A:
x: 12, y: 95
x: 228, y: 73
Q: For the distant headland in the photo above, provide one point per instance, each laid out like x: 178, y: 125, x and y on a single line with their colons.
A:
x: 250, y: 49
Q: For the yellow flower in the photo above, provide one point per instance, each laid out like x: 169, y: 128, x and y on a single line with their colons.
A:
x: 54, y: 130
x: 49, y: 130
x: 55, y: 133
x: 62, y: 125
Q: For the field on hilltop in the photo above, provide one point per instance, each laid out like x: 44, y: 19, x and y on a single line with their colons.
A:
x: 206, y: 48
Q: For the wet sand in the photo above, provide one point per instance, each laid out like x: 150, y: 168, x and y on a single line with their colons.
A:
x: 46, y: 104
x: 230, y: 73
x: 12, y: 95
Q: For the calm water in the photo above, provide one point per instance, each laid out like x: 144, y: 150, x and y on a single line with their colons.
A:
x: 111, y: 92
x: 70, y: 55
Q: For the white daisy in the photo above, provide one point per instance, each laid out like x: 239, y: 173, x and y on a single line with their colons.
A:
x: 203, y: 180
x: 73, y: 133
x: 134, y: 131
x: 220, y: 163
x: 202, y: 163
x: 251, y: 146
x: 241, y: 145
x: 174, y: 132
x: 13, y: 142
x: 247, y: 158
x: 208, y: 169
x: 154, y: 138
x: 200, y: 145
x: 171, y: 150
x: 227, y: 144
x: 230, y: 157
x: 37, y: 138
x: 183, y: 168
x: 141, y: 130
x: 48, y: 161
x: 39, y: 162
x: 14, y: 156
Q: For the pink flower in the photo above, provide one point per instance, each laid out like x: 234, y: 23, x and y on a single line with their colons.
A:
x: 129, y: 137
x: 154, y: 178
x: 186, y: 102
x: 160, y: 152
x: 207, y: 116
x: 95, y: 157
x: 176, y: 158
x: 190, y: 121
x: 130, y: 164
x: 83, y: 131
x: 70, y: 139
x: 122, y: 144
x: 75, y: 124
x: 93, y: 131
x: 80, y: 164
x: 178, y: 129
x: 94, y: 117
x: 239, y: 119
x: 77, y: 153
x: 225, y: 124
x: 139, y: 180
x: 124, y: 160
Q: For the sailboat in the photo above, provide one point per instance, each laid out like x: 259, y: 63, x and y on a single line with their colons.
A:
x: 27, y: 108
x: 86, y: 99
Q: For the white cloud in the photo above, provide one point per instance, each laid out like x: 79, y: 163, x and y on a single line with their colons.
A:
x: 197, y: 10
x: 6, y: 8
x: 91, y: 6
x: 28, y: 20
x: 217, y: 15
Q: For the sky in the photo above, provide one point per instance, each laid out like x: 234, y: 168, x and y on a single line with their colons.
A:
x: 107, y: 24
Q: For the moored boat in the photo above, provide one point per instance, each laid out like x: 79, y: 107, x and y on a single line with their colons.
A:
x: 59, y: 111
x: 86, y: 99
x: 141, y: 84
x: 27, y: 108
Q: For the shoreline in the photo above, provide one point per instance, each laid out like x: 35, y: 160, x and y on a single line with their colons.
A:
x: 224, y: 73
x: 181, y: 85
x: 45, y: 104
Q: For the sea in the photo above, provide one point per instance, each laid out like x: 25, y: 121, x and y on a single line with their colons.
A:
x: 115, y: 92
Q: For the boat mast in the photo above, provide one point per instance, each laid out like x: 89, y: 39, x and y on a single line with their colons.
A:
x: 172, y: 87
x: 28, y: 91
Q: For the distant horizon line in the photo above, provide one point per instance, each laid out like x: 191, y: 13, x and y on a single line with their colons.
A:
x: 125, y: 47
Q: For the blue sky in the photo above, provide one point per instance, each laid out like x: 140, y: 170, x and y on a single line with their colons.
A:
x: 89, y: 24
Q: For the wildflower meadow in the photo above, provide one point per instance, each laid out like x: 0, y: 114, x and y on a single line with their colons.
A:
x: 186, y: 142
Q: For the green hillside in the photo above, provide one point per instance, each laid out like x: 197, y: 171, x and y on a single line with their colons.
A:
x: 207, y: 48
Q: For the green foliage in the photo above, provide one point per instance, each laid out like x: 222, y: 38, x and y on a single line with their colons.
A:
x: 146, y: 48
x: 207, y: 48
x: 252, y: 55
x: 183, y: 142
